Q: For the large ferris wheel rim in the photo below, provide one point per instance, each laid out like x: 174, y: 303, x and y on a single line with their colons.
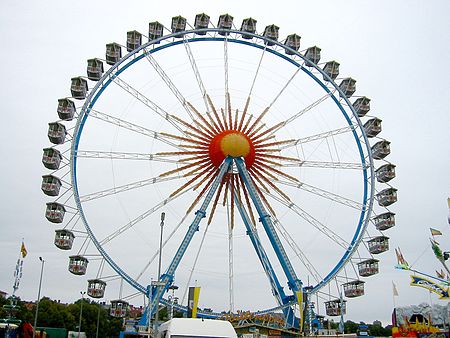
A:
x: 132, y: 57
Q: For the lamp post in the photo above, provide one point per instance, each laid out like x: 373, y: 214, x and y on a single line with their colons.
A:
x: 81, y: 311
x: 98, y: 320
x: 38, y: 297
x: 159, y: 268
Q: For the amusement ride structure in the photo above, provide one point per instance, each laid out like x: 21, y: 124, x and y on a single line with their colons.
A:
x: 267, y: 164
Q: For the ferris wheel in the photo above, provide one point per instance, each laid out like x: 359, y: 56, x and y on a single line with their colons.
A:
x: 262, y: 157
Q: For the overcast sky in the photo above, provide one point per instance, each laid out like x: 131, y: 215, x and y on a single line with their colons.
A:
x: 397, y: 50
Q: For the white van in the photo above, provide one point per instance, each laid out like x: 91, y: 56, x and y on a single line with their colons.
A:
x: 196, y: 328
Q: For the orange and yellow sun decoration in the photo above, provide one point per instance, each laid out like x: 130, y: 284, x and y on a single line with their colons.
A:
x: 209, y: 140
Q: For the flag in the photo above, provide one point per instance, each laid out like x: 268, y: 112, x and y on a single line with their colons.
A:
x: 23, y: 251
x: 394, y: 289
x: 437, y: 250
x: 193, y: 295
x: 300, y: 304
x: 435, y: 232
x: 440, y: 274
x: 448, y: 218
x: 402, y: 263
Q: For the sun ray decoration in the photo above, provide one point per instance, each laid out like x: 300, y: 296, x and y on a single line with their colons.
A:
x: 226, y: 134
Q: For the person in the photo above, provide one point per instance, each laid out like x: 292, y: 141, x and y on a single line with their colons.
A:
x: 27, y: 330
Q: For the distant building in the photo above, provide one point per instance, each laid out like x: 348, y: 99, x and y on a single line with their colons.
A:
x: 3, y: 294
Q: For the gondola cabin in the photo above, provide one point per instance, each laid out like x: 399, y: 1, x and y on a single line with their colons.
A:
x: 155, y: 30
x: 51, y: 158
x: 66, y: 109
x: 354, y: 289
x: 387, y: 197
x: 361, y: 106
x: 384, y: 221
x: 64, y: 239
x: 225, y: 22
x: 372, y: 127
x: 312, y: 55
x: 248, y: 25
x: 378, y: 244
x: 94, y: 69
x: 201, y: 22
x: 331, y: 68
x: 348, y: 87
x: 54, y: 212
x: 134, y: 40
x: 271, y: 33
x: 113, y: 53
x: 96, y: 288
x: 381, y: 149
x: 118, y: 308
x: 51, y: 185
x: 293, y: 42
x: 78, y: 265
x: 178, y: 25
x: 56, y: 132
x: 368, y: 267
x: 78, y: 88
x: 335, y: 307
x: 385, y: 173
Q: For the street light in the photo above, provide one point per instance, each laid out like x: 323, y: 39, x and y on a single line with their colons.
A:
x: 38, y: 297
x: 81, y: 311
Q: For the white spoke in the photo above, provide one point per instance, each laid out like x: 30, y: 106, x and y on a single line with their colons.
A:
x: 325, y: 194
x: 126, y: 187
x: 115, y: 155
x: 329, y: 165
x: 320, y: 136
x: 140, y: 218
x: 141, y: 97
x: 133, y: 127
x: 168, y: 82
x: 298, y: 252
x: 314, y: 222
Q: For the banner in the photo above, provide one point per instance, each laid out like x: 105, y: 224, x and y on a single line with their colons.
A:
x: 193, y: 295
x: 299, y: 295
x: 430, y: 286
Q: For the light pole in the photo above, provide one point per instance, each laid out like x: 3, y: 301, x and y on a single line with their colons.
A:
x: 38, y: 297
x: 159, y: 268
x: 98, y: 319
x: 81, y: 311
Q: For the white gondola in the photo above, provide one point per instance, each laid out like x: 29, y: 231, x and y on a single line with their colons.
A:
x: 201, y: 22
x: 384, y: 221
x: 225, y: 22
x: 96, y: 288
x: 66, y: 109
x: 155, y: 30
x: 331, y: 68
x: 78, y: 265
x: 354, y: 289
x: 372, y: 127
x: 248, y: 25
x: 292, y: 41
x: 113, y: 53
x: 361, y: 106
x: 385, y: 173
x: 51, y: 185
x: 271, y: 32
x: 134, y: 40
x: 64, y: 239
x: 118, y: 308
x: 312, y: 55
x: 387, y: 197
x: 178, y: 25
x: 335, y: 307
x: 94, y: 69
x: 378, y: 244
x: 348, y: 87
x: 51, y: 158
x: 78, y: 88
x: 368, y: 267
x: 54, y: 212
x: 56, y: 132
x: 381, y: 149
